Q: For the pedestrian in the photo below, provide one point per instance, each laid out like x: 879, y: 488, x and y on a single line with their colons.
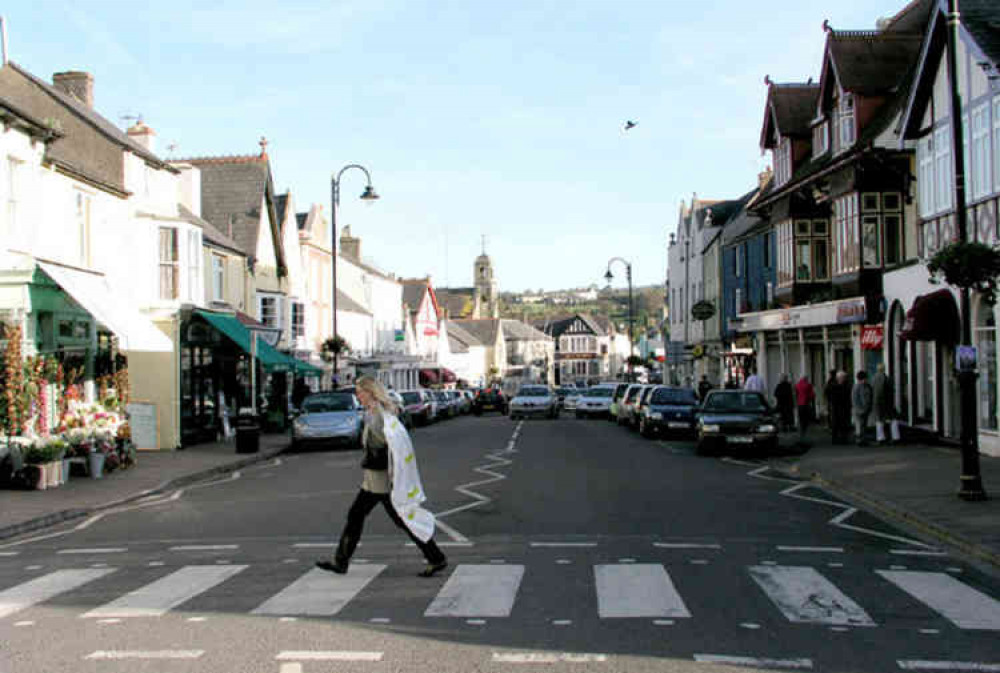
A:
x: 861, y: 406
x: 300, y: 390
x: 840, y: 408
x: 755, y: 382
x: 731, y: 384
x: 704, y: 386
x: 884, y: 406
x: 805, y: 400
x: 390, y: 477
x: 784, y: 398
x: 828, y: 394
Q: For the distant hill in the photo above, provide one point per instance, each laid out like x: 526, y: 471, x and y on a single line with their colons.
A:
x: 647, y: 303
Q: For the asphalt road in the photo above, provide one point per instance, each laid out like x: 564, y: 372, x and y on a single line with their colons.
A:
x: 573, y: 545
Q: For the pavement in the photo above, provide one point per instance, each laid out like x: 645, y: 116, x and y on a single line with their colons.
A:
x: 913, y: 484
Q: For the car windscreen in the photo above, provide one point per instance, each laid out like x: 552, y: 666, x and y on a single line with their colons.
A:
x: 673, y: 396
x: 325, y: 403
x: 533, y: 391
x: 735, y: 402
x: 599, y: 392
x: 411, y: 398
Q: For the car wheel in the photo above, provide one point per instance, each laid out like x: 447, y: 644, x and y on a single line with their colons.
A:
x: 645, y: 430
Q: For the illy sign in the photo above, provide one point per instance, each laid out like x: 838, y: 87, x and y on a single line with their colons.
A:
x: 871, y: 337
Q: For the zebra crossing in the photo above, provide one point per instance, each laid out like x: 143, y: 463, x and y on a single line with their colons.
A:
x: 801, y: 594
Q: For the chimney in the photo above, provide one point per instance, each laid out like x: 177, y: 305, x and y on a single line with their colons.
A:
x: 79, y: 85
x: 764, y: 177
x: 350, y: 247
x: 143, y: 135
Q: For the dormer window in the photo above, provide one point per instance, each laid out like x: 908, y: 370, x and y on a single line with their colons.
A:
x: 821, y: 139
x: 783, y: 162
x: 846, y: 117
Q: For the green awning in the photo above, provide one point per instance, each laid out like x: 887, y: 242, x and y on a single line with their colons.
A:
x: 240, y: 335
x: 303, y: 368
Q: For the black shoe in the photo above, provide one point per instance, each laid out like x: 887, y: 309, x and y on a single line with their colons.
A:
x: 433, y: 569
x: 335, y: 567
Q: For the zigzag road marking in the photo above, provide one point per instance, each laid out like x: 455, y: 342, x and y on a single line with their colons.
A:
x: 840, y: 519
x: 497, y: 459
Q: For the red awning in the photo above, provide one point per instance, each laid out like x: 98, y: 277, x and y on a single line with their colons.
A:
x: 428, y: 377
x: 448, y: 376
x: 933, y: 317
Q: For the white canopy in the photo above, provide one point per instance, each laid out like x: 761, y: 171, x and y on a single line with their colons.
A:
x: 135, y: 331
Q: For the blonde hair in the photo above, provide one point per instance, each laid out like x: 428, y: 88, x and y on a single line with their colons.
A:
x: 378, y: 393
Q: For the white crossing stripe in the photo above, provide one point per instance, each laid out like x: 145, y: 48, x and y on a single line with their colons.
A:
x: 925, y: 665
x: 204, y: 547
x: 102, y: 550
x: 149, y: 654
x: 9, y: 553
x: 320, y: 593
x: 155, y: 599
x: 547, y: 657
x: 43, y: 588
x: 478, y: 591
x: 756, y: 662
x: 804, y: 595
x: 956, y: 601
x: 334, y: 655
x: 637, y: 590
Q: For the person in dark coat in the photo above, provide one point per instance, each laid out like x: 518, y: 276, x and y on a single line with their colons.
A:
x: 704, y: 387
x: 861, y: 406
x: 784, y: 397
x: 828, y: 387
x: 840, y: 408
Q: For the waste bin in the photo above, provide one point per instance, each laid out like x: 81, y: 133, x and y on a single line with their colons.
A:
x: 247, y: 433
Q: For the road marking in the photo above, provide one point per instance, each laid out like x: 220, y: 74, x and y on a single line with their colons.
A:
x: 640, y: 590
x: 105, y: 550
x: 319, y: 593
x: 9, y: 553
x: 830, y: 550
x: 331, y: 655
x: 561, y: 622
x: 478, y: 591
x: 686, y: 545
x: 380, y: 620
x: 45, y: 587
x: 925, y: 665
x: 956, y: 601
x: 114, y: 620
x: 750, y: 625
x: 917, y: 552
x: 805, y: 596
x: 563, y: 544
x: 316, y: 545
x: 291, y: 667
x: 205, y: 547
x: 25, y: 623
x: 663, y: 622
x: 33, y: 567
x: 547, y: 658
x: 147, y: 654
x: 156, y: 598
x: 475, y: 622
x: 753, y: 661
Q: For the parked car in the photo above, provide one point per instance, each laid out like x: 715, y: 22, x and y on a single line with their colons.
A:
x: 404, y: 415
x: 596, y: 401
x: 490, y: 399
x: 462, y: 403
x: 571, y: 398
x: 736, y: 419
x: 534, y: 400
x: 627, y: 403
x: 616, y: 399
x: 419, y: 406
x: 328, y: 418
x: 446, y: 406
x: 670, y: 410
x: 641, y: 405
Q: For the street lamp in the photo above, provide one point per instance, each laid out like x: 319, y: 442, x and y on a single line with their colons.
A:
x: 367, y: 195
x: 628, y: 275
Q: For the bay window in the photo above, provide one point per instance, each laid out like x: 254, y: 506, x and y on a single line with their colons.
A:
x: 942, y: 168
x: 845, y: 234
x: 811, y: 251
x: 195, y: 267
x: 846, y: 120
x: 218, y: 278
x: 783, y: 161
x: 980, y: 156
x: 785, y: 254
x: 269, y: 310
x: 169, y: 263
x: 298, y: 319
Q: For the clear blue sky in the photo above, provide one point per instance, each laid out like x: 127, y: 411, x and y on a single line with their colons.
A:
x: 501, y: 119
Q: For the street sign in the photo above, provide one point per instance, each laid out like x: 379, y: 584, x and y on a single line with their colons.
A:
x: 703, y: 310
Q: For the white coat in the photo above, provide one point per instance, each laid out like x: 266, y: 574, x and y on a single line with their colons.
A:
x: 407, y: 493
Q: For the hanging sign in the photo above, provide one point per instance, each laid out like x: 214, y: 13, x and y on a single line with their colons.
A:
x: 872, y: 337
x: 703, y: 310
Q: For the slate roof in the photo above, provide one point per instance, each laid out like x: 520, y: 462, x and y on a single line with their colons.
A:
x: 791, y: 107
x: 982, y: 19
x: 484, y: 330
x: 871, y: 63
x: 457, y: 335
x: 209, y: 231
x: 345, y: 303
x: 725, y: 215
x: 300, y: 220
x: 233, y: 189
x: 413, y: 292
x: 33, y: 126
x: 557, y: 326
x: 457, y: 301
x: 280, y: 206
x: 744, y: 222
x: 515, y: 330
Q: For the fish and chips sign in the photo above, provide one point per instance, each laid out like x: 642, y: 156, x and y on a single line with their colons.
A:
x: 842, y: 311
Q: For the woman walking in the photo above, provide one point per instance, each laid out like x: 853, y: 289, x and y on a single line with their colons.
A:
x: 784, y: 397
x: 390, y: 477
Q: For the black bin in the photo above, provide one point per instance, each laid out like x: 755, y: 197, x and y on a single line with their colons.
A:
x: 247, y: 434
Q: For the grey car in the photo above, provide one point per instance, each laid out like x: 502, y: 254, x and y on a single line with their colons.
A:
x: 328, y: 419
x: 534, y: 401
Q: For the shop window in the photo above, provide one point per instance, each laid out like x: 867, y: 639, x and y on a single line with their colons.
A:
x: 169, y: 263
x: 986, y: 345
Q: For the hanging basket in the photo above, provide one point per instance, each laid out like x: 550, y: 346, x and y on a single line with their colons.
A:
x: 972, y: 266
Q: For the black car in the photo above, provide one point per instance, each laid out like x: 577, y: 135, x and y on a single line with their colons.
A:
x: 739, y: 420
x: 490, y: 399
x: 670, y: 411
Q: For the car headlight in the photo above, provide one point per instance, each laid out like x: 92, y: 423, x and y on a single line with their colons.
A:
x: 710, y: 427
x: 767, y: 427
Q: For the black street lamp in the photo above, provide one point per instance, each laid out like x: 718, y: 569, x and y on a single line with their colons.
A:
x: 367, y: 195
x: 628, y: 275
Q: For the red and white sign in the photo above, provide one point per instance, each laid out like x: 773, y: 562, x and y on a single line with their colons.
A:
x: 871, y: 337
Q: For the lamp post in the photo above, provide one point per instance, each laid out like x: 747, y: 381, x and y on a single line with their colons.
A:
x: 367, y: 195
x: 628, y: 275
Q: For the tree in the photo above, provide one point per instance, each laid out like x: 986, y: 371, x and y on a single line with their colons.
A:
x: 969, y: 265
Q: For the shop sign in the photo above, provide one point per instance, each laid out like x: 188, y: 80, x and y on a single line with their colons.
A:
x: 872, y: 337
x: 840, y: 311
x: 703, y: 310
x: 399, y: 335
x: 852, y: 310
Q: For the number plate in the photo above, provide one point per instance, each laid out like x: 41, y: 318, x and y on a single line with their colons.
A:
x: 740, y: 439
x: 675, y: 424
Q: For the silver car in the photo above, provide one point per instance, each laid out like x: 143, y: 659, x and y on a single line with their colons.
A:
x: 534, y: 400
x: 595, y: 401
x: 330, y: 419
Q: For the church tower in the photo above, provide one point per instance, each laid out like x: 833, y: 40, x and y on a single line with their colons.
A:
x: 486, y: 300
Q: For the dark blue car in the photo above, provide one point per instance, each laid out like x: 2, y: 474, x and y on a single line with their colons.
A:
x: 670, y: 411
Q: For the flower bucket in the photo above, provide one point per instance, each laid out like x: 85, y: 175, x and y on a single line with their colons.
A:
x: 95, y: 462
x: 66, y: 464
x: 43, y: 476
x: 53, y: 471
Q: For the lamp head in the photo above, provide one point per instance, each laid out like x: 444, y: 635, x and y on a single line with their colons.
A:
x: 609, y: 276
x: 369, y: 194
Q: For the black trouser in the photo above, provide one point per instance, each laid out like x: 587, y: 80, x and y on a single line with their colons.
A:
x: 363, y: 504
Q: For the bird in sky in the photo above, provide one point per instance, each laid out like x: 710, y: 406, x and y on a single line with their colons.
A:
x: 630, y: 124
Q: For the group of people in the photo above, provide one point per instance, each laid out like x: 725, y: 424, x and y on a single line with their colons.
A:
x: 849, y: 406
